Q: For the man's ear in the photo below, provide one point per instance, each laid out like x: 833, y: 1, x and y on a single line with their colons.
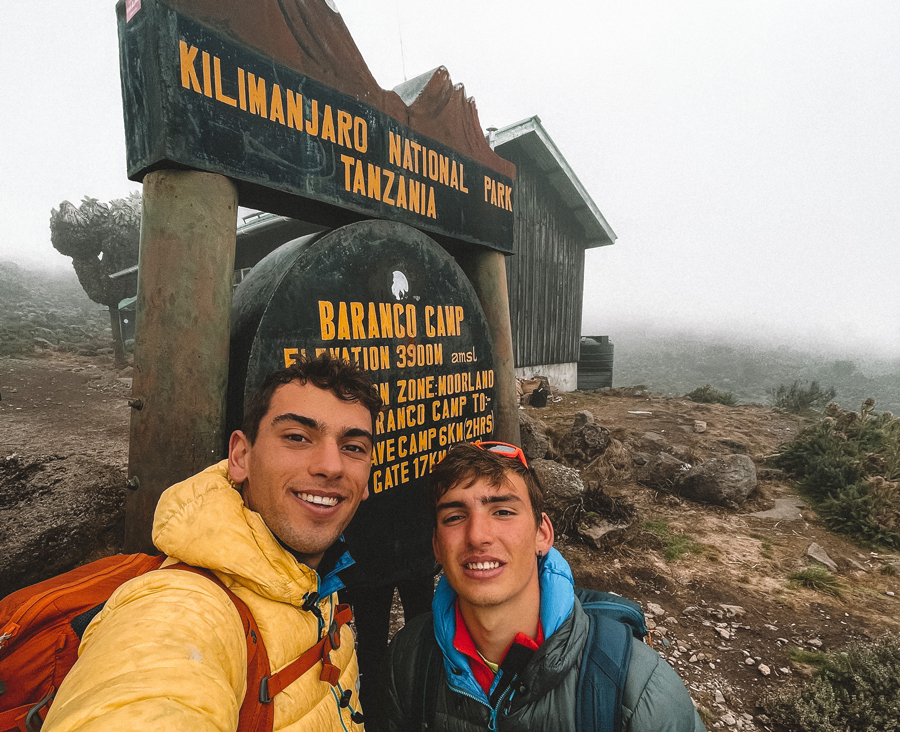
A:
x: 544, y: 537
x: 435, y: 548
x: 238, y: 456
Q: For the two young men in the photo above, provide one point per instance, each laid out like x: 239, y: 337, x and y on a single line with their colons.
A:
x: 511, y: 635
x: 168, y: 651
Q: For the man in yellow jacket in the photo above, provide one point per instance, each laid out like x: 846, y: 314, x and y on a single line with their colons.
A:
x: 168, y: 651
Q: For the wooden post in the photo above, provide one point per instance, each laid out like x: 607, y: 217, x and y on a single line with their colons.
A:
x: 486, y: 269
x: 183, y: 324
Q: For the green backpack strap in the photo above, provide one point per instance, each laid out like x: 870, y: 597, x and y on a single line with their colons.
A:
x: 613, y: 622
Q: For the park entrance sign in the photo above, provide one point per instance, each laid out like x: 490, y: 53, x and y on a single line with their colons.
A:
x: 199, y: 97
x: 269, y: 104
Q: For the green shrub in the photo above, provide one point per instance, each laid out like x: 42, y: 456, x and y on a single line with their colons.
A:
x: 855, y: 689
x: 708, y: 395
x: 845, y: 464
x: 797, y: 399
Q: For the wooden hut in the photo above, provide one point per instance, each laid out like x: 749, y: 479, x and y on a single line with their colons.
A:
x: 555, y: 222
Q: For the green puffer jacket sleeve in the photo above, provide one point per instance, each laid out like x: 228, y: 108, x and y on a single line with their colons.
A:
x: 654, y: 698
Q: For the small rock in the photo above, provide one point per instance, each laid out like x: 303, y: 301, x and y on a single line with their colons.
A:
x: 764, y: 670
x: 820, y: 555
x: 889, y: 593
x: 719, y: 697
x: 729, y: 720
x: 815, y: 642
x: 724, y: 632
x: 784, y: 670
x: 693, y: 659
x: 749, y: 661
x: 699, y: 425
x: 655, y: 609
x: 733, y: 611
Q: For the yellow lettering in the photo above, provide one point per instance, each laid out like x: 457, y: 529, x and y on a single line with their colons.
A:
x: 256, y: 91
x: 387, y: 189
x: 454, y: 179
x: 373, y: 322
x: 294, y: 110
x: 328, y: 124
x: 276, y: 109
x: 359, y: 182
x: 387, y: 323
x: 217, y: 73
x: 345, y: 124
x: 326, y: 320
x: 312, y: 124
x: 290, y: 356
x: 432, y: 211
x: 188, y: 56
x: 242, y: 90
x: 207, y: 76
x: 348, y: 163
x: 401, y: 192
x: 357, y: 312
x: 343, y: 326
x: 462, y: 179
x: 429, y: 328
x: 374, y: 182
x: 414, y: 196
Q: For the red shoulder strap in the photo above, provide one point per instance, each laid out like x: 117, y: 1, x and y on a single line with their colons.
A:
x: 255, y: 716
x: 257, y: 711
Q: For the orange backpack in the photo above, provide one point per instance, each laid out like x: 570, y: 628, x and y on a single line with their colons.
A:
x: 41, y: 628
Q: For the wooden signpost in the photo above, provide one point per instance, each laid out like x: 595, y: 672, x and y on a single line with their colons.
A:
x: 268, y: 104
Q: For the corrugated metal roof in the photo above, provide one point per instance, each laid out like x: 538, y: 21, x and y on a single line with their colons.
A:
x: 533, y: 139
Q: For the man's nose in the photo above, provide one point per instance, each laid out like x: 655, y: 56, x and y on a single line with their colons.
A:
x: 326, y: 459
x: 478, y: 530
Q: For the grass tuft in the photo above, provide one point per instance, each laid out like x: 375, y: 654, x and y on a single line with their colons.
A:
x: 818, y: 579
x: 674, y: 545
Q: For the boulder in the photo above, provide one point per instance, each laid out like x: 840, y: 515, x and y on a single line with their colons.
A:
x: 723, y: 481
x: 585, y: 442
x: 563, y: 488
x: 601, y: 533
x: 660, y: 470
x: 534, y: 441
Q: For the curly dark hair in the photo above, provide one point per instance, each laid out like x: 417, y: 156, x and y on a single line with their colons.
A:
x: 465, y: 463
x: 345, y: 379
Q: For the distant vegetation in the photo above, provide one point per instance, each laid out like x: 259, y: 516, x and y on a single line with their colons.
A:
x: 675, y: 364
x: 708, y: 395
x: 848, y: 464
x: 799, y: 399
x: 48, y: 310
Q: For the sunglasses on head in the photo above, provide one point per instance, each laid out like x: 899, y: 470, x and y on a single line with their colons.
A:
x: 504, y: 449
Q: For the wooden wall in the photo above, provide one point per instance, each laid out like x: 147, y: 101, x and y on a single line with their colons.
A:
x: 546, y: 274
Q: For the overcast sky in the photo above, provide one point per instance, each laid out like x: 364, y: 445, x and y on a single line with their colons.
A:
x: 747, y: 154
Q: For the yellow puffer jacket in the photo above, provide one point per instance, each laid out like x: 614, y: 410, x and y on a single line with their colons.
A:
x: 168, y: 651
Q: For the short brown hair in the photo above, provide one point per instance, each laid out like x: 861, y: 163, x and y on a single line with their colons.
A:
x: 345, y: 379
x: 466, y: 463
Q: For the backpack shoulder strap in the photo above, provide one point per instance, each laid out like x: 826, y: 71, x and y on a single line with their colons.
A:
x: 255, y: 716
x: 429, y: 660
x: 614, y: 622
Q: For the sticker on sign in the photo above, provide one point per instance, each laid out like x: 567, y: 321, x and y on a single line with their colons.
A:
x: 131, y: 8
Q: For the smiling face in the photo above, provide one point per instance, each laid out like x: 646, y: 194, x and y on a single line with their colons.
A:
x: 487, y: 542
x: 308, y: 468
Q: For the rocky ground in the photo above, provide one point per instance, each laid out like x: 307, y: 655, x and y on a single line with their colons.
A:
x: 724, y: 612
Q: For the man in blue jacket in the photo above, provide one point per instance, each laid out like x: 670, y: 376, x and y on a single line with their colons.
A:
x: 507, y: 644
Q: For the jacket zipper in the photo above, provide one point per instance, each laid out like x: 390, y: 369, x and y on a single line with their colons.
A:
x: 492, y: 722
x: 37, y: 604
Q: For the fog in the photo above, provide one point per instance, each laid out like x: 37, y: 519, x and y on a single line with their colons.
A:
x: 745, y: 154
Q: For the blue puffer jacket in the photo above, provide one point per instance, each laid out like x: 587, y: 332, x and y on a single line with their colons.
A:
x: 543, y: 698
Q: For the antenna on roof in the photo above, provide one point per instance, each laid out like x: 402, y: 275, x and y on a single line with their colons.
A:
x: 400, y: 34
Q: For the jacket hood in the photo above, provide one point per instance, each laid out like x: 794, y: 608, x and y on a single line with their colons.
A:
x: 203, y: 521
x: 557, y: 603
